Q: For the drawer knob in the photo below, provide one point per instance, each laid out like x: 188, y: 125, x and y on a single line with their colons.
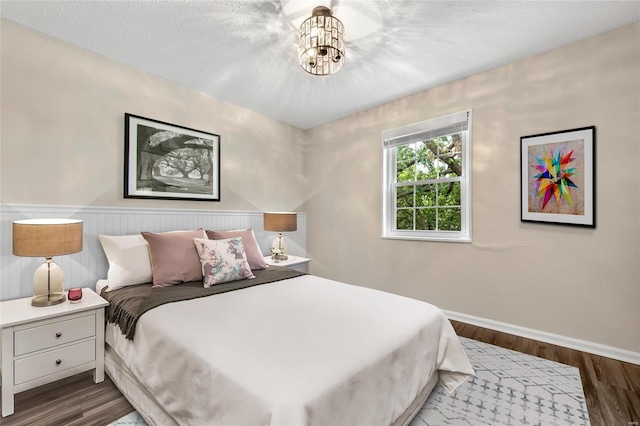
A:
x: 58, y: 361
x: 58, y: 335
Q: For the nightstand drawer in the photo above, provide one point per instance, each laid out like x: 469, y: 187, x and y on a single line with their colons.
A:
x: 51, y: 362
x: 54, y: 334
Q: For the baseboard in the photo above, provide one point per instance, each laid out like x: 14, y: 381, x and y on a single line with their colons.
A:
x: 543, y: 336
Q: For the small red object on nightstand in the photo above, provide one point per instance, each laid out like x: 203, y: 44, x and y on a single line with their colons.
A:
x: 75, y: 294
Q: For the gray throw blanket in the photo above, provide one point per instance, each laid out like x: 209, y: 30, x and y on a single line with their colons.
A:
x: 127, y: 304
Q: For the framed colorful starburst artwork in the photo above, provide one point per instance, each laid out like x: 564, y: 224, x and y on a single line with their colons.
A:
x: 557, y: 177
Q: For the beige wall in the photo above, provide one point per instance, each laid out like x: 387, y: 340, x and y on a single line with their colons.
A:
x: 63, y: 131
x: 576, y: 282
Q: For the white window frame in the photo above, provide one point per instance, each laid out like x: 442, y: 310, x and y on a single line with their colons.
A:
x: 424, y: 130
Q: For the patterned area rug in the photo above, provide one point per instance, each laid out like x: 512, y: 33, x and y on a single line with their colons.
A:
x: 510, y: 388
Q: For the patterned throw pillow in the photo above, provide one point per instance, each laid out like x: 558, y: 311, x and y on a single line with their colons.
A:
x: 222, y: 260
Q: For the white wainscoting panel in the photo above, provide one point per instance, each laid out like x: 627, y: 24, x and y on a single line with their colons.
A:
x: 85, y: 268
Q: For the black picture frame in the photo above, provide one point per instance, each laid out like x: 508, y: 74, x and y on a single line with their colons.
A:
x: 165, y: 161
x: 557, y: 177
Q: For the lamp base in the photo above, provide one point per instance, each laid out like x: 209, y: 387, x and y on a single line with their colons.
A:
x: 48, y: 284
x: 46, y: 300
x: 279, y: 247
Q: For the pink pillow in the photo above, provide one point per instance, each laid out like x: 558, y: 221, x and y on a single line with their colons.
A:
x: 174, y: 258
x: 251, y: 248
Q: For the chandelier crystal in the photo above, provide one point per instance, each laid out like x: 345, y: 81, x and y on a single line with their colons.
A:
x: 321, y: 48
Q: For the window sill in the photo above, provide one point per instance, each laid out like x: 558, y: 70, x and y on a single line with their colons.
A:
x: 436, y: 239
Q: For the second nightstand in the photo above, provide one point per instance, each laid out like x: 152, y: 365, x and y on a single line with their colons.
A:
x: 294, y: 262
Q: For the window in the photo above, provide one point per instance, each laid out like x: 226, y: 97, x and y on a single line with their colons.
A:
x: 427, y: 180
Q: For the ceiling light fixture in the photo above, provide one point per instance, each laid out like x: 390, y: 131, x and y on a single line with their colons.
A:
x: 321, y: 49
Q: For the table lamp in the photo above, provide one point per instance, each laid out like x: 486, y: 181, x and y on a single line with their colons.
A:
x: 47, y: 238
x: 280, y: 222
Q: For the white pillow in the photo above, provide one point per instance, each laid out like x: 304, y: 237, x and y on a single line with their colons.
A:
x: 129, y: 260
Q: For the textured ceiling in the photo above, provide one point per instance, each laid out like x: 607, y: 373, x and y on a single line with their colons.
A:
x: 244, y: 51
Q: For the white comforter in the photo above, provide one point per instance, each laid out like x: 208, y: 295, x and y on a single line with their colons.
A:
x: 304, y: 351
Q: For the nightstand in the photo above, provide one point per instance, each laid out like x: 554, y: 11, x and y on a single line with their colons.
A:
x: 44, y: 344
x: 294, y: 262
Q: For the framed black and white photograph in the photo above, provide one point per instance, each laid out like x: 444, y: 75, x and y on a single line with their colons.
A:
x: 557, y: 177
x: 167, y: 161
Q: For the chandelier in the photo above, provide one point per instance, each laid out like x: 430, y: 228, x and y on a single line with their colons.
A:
x: 321, y: 48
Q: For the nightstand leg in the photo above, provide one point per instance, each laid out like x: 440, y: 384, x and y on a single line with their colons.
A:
x: 98, y: 373
x: 7, y: 371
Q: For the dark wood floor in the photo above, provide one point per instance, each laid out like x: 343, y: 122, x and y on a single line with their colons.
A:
x: 612, y: 388
x: 74, y: 401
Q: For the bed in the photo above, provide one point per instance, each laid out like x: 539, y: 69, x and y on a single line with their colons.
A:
x: 296, y: 350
